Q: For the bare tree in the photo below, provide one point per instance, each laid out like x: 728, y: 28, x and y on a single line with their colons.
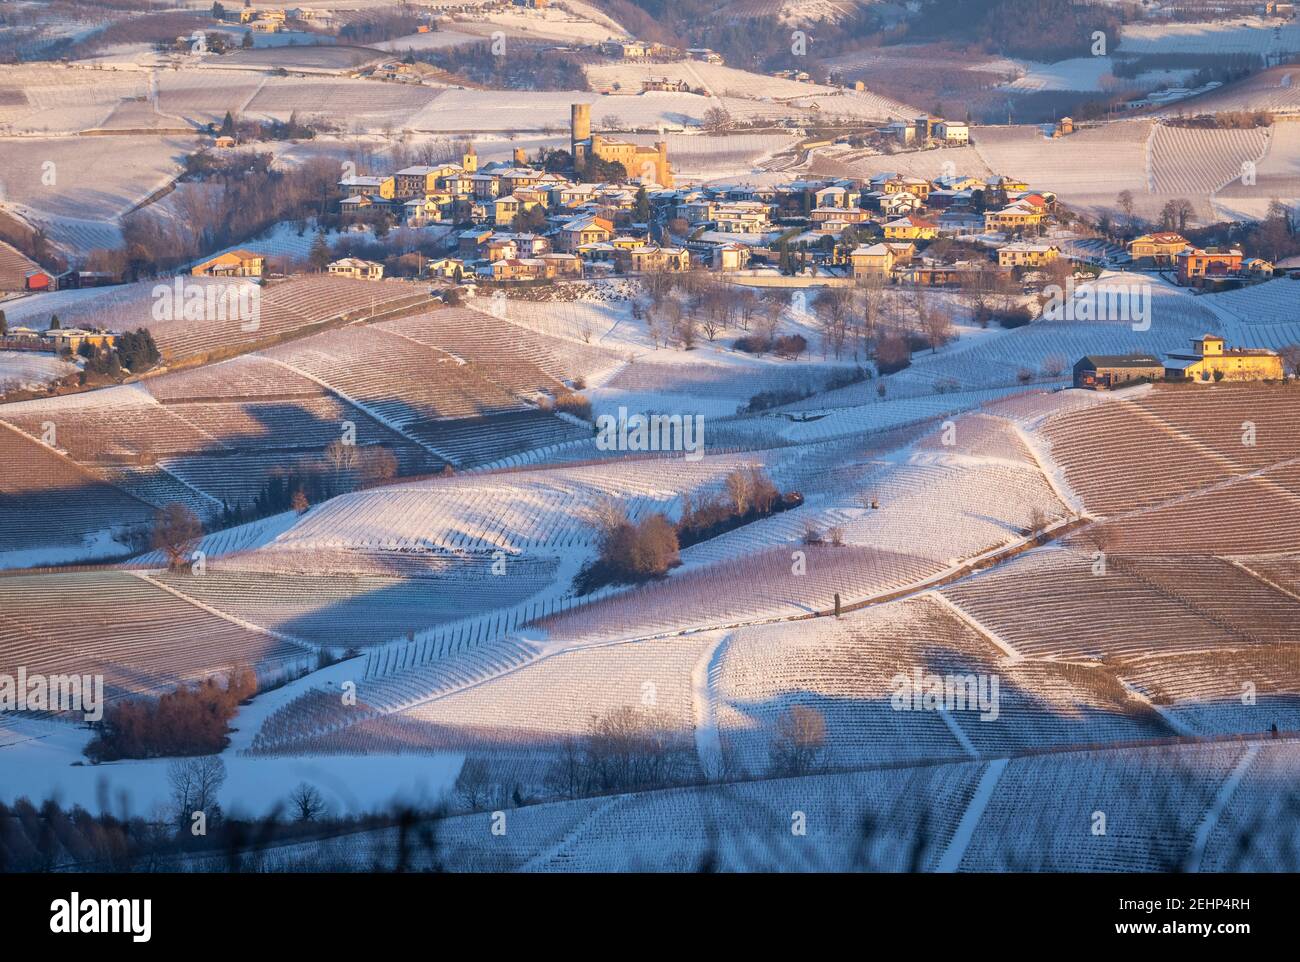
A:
x: 341, y: 457
x: 740, y: 490
x: 1290, y: 355
x: 380, y: 465
x: 1176, y: 214
x: 746, y: 307
x: 833, y: 309
x: 936, y: 325
x: 1124, y: 201
x: 176, y: 532
x: 307, y: 803
x: 1054, y: 365
x: 799, y: 744
x: 715, y: 305
x: 606, y: 515
x: 474, y: 784
x: 195, y: 783
x: 716, y: 120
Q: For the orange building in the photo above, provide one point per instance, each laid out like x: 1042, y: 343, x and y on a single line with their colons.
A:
x: 1195, y: 264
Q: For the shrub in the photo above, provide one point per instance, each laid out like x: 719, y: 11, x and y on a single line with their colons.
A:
x: 846, y: 376
x: 753, y: 344
x: 790, y: 345
x: 765, y: 400
x: 187, y: 721
x: 1014, y: 317
x: 750, y: 495
x: 892, y: 355
x: 631, y: 553
x: 575, y: 404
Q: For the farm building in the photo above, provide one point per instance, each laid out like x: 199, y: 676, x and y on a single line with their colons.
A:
x: 1097, y: 371
x: 901, y: 131
x: 15, y: 267
x: 1211, y: 359
x: 665, y: 84
x: 952, y: 132
x: 38, y: 280
x: 240, y: 263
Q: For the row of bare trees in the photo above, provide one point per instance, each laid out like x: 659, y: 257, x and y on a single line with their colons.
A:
x: 680, y: 309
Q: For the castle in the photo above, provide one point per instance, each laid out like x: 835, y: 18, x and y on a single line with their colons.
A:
x: 641, y: 163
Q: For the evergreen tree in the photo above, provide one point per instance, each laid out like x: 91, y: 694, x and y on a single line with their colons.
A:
x: 4, y: 324
x: 319, y: 256
x: 54, y: 322
x: 227, y: 125
x: 642, y: 205
x: 247, y: 42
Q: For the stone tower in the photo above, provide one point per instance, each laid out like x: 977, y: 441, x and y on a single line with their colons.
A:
x: 580, y: 133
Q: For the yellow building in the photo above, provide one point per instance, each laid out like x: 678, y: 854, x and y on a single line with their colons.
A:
x: 240, y: 263
x: 1015, y: 217
x: 72, y: 338
x: 1005, y: 183
x: 1027, y: 255
x: 658, y: 259
x: 1212, y: 360
x: 875, y: 260
x: 911, y: 228
x: 1161, y: 248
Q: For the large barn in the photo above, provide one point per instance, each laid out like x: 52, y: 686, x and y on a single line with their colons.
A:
x: 1097, y: 371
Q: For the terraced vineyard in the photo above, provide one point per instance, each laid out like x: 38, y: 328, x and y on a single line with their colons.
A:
x: 1191, y: 162
x: 342, y: 610
x: 52, y: 507
x: 138, y: 635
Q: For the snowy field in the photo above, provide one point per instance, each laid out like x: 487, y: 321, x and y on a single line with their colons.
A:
x: 1255, y: 35
x: 96, y: 178
x: 25, y: 370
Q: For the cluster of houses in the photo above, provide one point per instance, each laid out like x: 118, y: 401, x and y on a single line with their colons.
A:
x: 1209, y: 268
x: 907, y: 212
x: 928, y: 130
x: 519, y: 222
x: 276, y: 19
